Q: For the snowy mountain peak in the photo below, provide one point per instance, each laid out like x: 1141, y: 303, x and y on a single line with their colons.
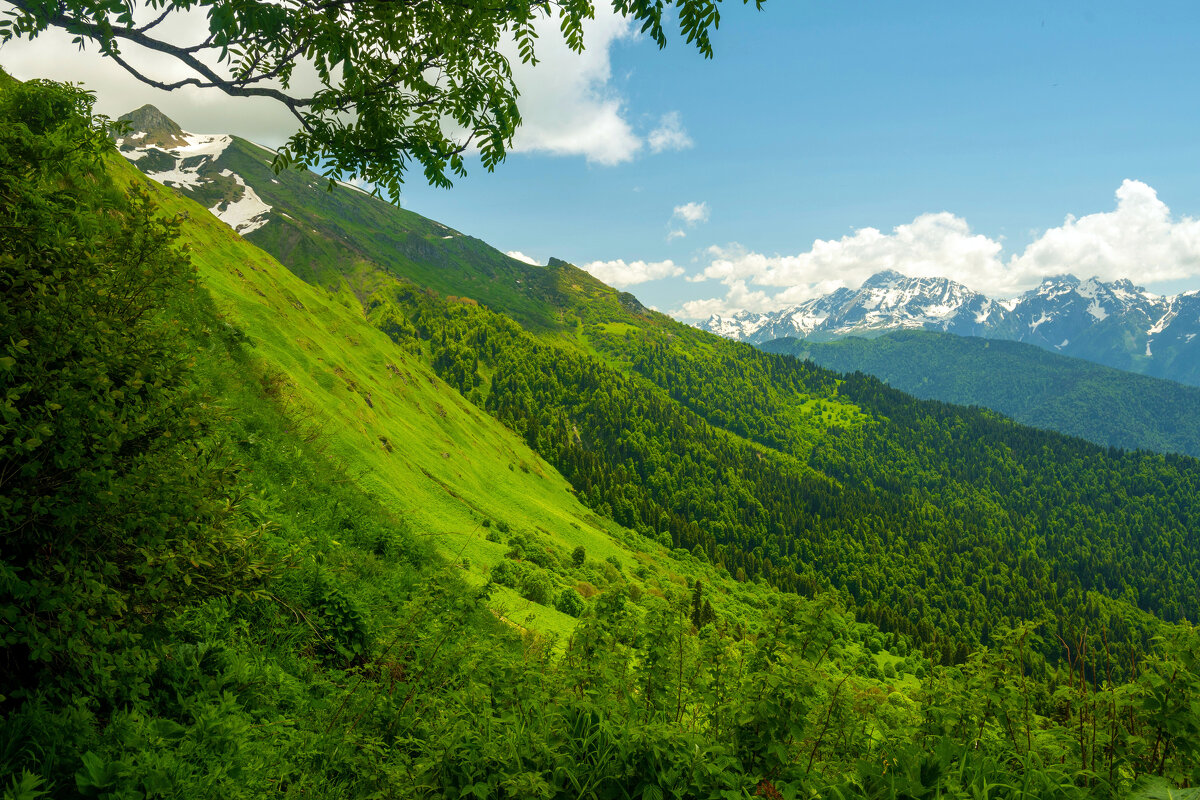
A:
x: 1062, y: 313
x: 192, y: 163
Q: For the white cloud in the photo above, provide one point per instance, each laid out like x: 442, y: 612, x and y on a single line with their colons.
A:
x: 54, y: 56
x: 620, y: 273
x: 738, y: 298
x: 691, y: 214
x: 566, y: 102
x: 1139, y: 240
x: 676, y: 234
x: 669, y: 135
x: 931, y: 245
x: 519, y: 256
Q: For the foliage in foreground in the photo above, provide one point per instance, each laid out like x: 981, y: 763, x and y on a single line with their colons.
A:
x: 376, y: 108
x: 198, y: 603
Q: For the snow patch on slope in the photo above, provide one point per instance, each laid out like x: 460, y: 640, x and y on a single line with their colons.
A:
x: 1162, y: 324
x: 208, y: 148
x: 247, y: 213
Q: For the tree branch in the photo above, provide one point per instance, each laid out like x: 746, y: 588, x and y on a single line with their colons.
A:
x: 107, y: 35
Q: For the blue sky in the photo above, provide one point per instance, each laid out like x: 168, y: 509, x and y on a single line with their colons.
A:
x: 971, y: 129
x: 816, y: 119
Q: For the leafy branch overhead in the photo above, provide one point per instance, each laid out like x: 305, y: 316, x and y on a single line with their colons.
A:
x: 396, y: 84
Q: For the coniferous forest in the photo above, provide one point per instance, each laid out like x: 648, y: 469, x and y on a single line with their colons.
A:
x: 269, y: 538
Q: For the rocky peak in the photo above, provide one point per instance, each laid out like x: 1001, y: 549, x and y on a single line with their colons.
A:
x: 150, y: 127
x: 884, y: 279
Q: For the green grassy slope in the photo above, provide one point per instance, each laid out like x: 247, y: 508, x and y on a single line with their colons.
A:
x: 1079, y: 398
x: 331, y: 237
x: 413, y: 441
x: 405, y: 436
x: 326, y: 236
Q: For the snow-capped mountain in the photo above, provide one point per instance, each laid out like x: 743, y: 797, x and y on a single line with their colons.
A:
x: 189, y: 161
x: 886, y: 301
x: 1118, y: 323
x: 328, y: 237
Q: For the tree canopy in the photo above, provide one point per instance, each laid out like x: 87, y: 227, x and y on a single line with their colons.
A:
x: 397, y: 84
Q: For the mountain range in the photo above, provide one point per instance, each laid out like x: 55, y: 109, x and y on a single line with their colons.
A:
x: 309, y: 495
x: 1114, y: 323
x: 647, y: 418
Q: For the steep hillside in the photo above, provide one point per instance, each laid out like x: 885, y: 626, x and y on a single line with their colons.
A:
x: 408, y: 438
x: 1107, y: 406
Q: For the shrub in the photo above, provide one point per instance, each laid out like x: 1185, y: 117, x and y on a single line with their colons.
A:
x: 537, y: 587
x: 569, y: 602
x: 118, y: 505
x: 506, y: 573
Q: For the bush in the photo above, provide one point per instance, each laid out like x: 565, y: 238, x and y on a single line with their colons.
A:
x: 507, y: 574
x: 569, y: 602
x: 118, y: 505
x: 537, y: 587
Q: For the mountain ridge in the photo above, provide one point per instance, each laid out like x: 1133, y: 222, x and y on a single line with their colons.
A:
x: 329, y: 234
x: 1117, y: 323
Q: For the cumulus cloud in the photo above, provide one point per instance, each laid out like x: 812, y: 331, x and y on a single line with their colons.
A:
x: 567, y: 103
x: 931, y: 245
x: 1139, y: 239
x: 739, y: 298
x: 620, y: 273
x: 519, y: 256
x: 691, y: 214
x: 53, y: 55
x: 678, y: 233
x: 669, y: 135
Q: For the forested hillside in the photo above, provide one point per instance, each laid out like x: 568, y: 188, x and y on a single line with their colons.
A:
x: 935, y: 521
x: 1103, y: 405
x: 265, y: 538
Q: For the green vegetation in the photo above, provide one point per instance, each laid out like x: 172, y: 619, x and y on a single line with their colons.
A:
x: 934, y: 521
x: 1079, y: 398
x: 271, y: 553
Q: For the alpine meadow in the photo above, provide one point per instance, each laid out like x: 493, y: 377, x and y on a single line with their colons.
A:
x: 306, y: 495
